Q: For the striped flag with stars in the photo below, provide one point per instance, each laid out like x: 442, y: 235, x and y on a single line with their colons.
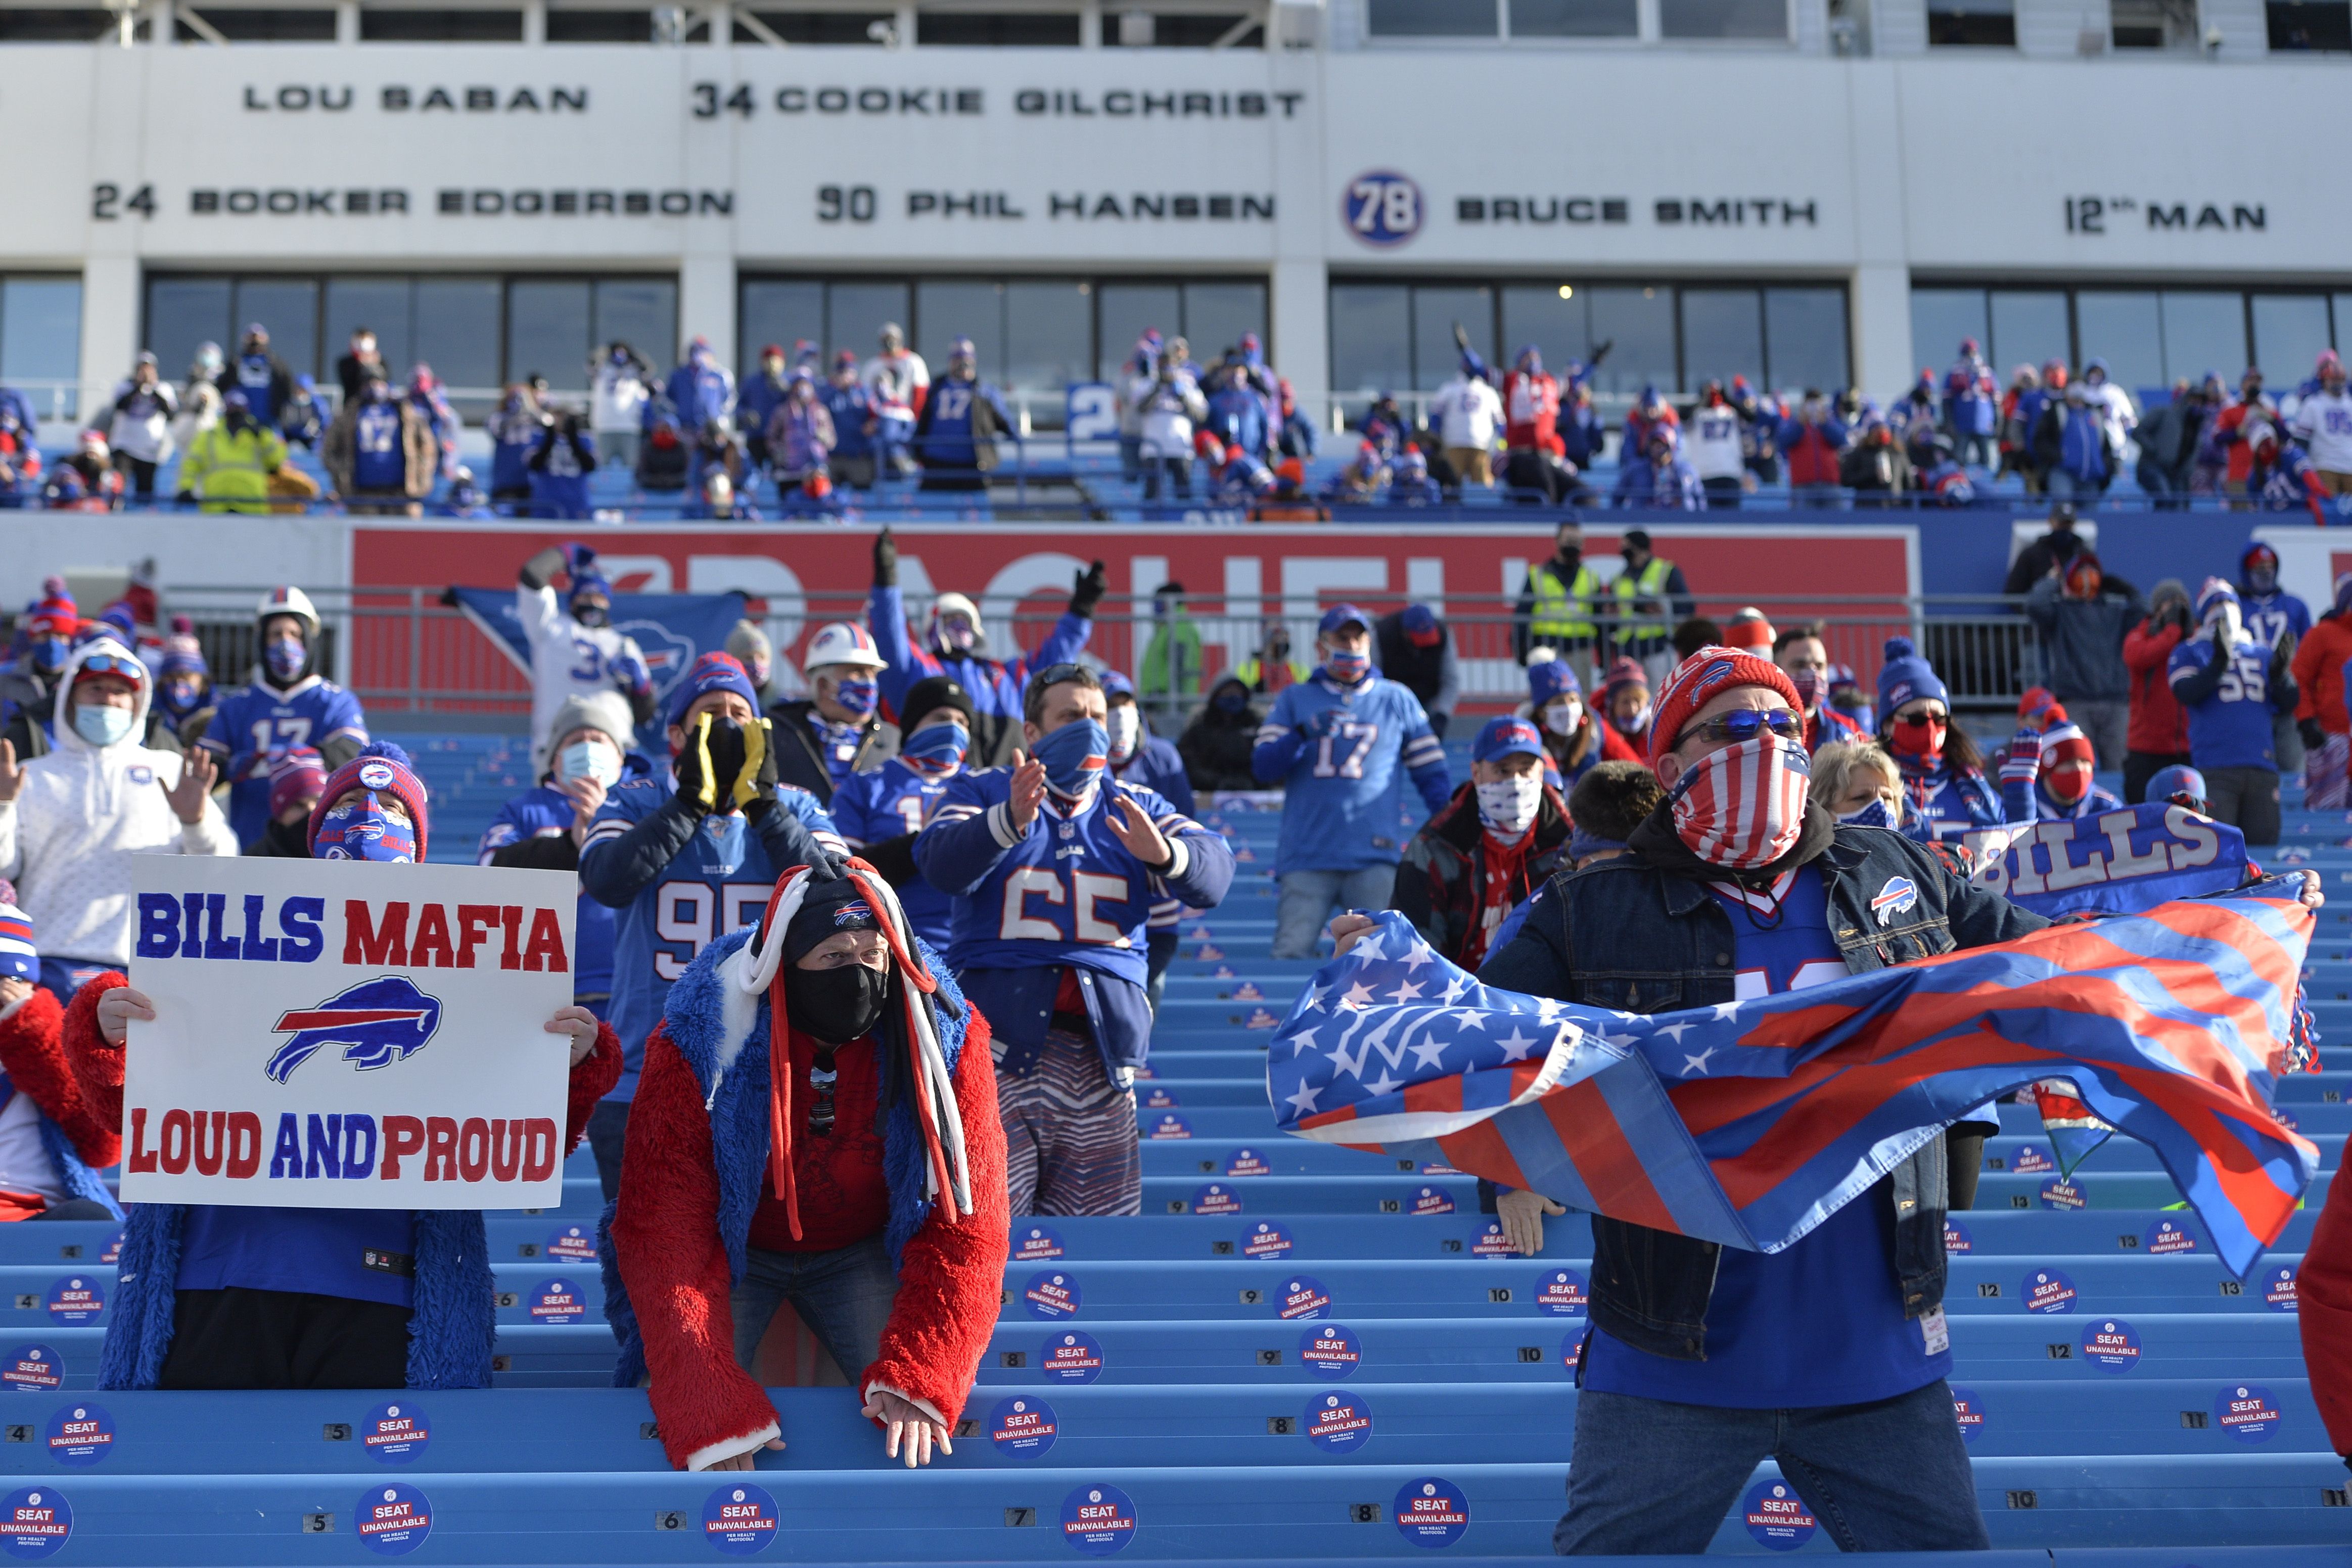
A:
x: 1750, y: 1122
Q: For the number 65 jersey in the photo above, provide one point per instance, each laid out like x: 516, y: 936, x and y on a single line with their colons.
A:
x: 1066, y: 894
x: 1341, y: 776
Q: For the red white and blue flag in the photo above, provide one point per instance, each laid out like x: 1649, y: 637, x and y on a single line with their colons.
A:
x: 1750, y: 1122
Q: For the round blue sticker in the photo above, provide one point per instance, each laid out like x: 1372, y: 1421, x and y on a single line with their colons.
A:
x: 393, y: 1520
x: 573, y: 1244
x: 37, y: 1367
x: 2247, y: 1412
x: 396, y: 1432
x: 1302, y: 1296
x: 77, y: 1299
x: 1431, y: 1200
x: 2278, y: 1289
x: 2111, y: 1344
x: 80, y: 1436
x: 1052, y: 1296
x: 1071, y: 1357
x: 1170, y: 1124
x: 2167, y: 1237
x: 1338, y: 1423
x: 1431, y: 1511
x: 2058, y: 1192
x: 557, y: 1301
x: 1248, y: 1163
x: 1330, y: 1350
x: 1968, y: 1411
x: 1777, y: 1516
x: 1381, y: 207
x: 1098, y: 1520
x: 1265, y: 1239
x: 1490, y: 1243
x: 2032, y: 1160
x: 1958, y: 1238
x: 1563, y: 1292
x: 1022, y: 1427
x: 1215, y: 1197
x: 35, y: 1522
x: 112, y: 1252
x: 740, y: 1518
x: 1035, y: 1243
x: 1572, y: 1350
x: 2048, y: 1290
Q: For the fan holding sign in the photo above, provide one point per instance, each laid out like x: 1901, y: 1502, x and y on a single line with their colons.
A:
x: 300, y: 1029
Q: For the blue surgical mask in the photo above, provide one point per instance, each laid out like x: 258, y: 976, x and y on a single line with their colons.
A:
x: 589, y: 758
x: 1230, y: 702
x: 180, y: 698
x: 285, y: 658
x: 101, y: 726
x: 1073, y: 757
x: 49, y: 654
x: 935, y: 751
x: 364, y: 830
x: 859, y: 696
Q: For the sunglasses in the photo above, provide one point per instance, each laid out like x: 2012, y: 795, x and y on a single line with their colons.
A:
x: 113, y: 664
x: 1747, y: 724
x: 1922, y: 720
x: 1054, y: 675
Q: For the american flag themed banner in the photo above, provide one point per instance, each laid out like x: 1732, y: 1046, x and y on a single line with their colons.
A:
x: 1750, y: 1122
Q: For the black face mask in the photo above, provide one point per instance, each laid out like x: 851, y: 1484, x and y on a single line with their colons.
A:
x: 1570, y: 557
x: 836, y: 1006
x: 591, y: 615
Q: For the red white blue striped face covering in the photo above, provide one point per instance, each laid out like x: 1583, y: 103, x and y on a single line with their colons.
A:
x: 1744, y: 805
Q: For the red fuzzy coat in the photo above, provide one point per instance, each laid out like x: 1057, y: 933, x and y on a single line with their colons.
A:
x: 666, y: 1238
x: 33, y: 1054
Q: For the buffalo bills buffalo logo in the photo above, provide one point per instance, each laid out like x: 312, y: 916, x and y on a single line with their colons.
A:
x: 1897, y: 898
x: 377, y: 1022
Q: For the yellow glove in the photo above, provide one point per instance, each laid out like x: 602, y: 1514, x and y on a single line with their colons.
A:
x: 758, y: 778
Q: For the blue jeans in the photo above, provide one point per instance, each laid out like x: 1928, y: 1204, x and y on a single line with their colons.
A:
x: 1648, y: 1476
x: 844, y: 1296
x: 1308, y: 898
x: 608, y: 1131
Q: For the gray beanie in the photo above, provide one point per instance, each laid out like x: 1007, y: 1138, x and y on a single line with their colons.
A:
x: 606, y: 711
x: 2170, y: 588
x: 750, y: 646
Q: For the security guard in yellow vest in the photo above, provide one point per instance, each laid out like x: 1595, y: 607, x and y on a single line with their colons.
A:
x: 1557, y: 607
x: 1644, y: 594
x: 229, y: 465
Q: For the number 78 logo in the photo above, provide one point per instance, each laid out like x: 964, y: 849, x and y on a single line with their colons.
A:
x: 1382, y: 207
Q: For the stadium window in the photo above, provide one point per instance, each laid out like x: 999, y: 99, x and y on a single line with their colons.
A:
x: 2123, y: 327
x: 547, y: 332
x: 2029, y: 326
x: 1048, y: 334
x: 1760, y: 20
x: 1940, y: 318
x: 1431, y: 20
x: 262, y: 25
x: 2153, y: 23
x: 459, y: 331
x: 1437, y: 309
x: 1123, y: 314
x: 1217, y: 314
x: 384, y: 24
x: 1637, y: 321
x: 816, y: 26
x: 2298, y: 26
x: 2290, y: 330
x: 40, y: 342
x: 1723, y: 336
x: 288, y: 308
x: 1184, y: 30
x: 1575, y: 19
x: 2203, y: 329
x: 854, y: 312
x: 1551, y: 316
x: 1371, y: 337
x: 182, y: 314
x: 1972, y: 24
x: 949, y: 309
x: 1805, y: 338
x: 639, y: 312
x: 57, y: 25
x: 567, y: 25
x: 998, y: 29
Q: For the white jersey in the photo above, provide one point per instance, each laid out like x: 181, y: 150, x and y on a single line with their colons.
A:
x: 1711, y: 442
x: 2323, y: 423
x: 893, y: 380
x: 1467, y: 411
x: 568, y: 659
x: 24, y: 1162
x: 83, y: 812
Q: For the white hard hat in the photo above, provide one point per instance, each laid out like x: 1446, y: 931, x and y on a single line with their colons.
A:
x: 288, y: 601
x: 841, y: 642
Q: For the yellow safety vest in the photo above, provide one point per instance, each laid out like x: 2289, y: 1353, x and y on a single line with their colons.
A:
x: 1650, y: 582
x: 1563, y: 613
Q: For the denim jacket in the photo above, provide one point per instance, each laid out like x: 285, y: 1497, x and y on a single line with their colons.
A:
x: 1643, y: 934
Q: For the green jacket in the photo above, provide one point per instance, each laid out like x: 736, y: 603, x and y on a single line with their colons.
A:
x: 1170, y: 666
x: 229, y: 470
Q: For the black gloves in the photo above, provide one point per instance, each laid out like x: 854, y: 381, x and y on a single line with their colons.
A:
x: 2313, y: 737
x: 885, y: 560
x: 1087, y: 592
x: 696, y: 767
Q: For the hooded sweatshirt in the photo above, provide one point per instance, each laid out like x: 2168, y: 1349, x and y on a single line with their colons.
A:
x: 68, y: 837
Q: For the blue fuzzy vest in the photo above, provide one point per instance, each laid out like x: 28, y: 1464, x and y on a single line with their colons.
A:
x: 737, y: 1102
x: 78, y: 1179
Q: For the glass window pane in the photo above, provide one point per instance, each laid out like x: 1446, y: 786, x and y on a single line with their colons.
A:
x: 1804, y: 334
x: 1940, y: 318
x: 1127, y: 311
x: 777, y: 312
x: 2343, y: 303
x: 287, y: 308
x: 40, y: 340
x: 1573, y: 20
x: 181, y: 313
x: 379, y: 304
x: 2029, y: 327
x: 1723, y: 18
x: 637, y: 312
x: 457, y: 332
x: 1217, y: 314
x: 1048, y: 338
x: 1371, y: 337
x: 2202, y: 331
x: 547, y: 332
x: 2124, y: 329
x: 1639, y: 325
x: 945, y: 311
x: 1431, y: 18
x: 1972, y: 24
x: 1723, y: 335
x: 1436, y: 313
x: 2290, y: 329
x: 1550, y: 316
x: 854, y: 313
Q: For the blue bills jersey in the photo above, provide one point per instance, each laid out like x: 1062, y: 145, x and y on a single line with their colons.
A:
x: 1341, y: 756
x: 719, y: 882
x: 256, y: 724
x: 891, y: 802
x: 2232, y: 727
